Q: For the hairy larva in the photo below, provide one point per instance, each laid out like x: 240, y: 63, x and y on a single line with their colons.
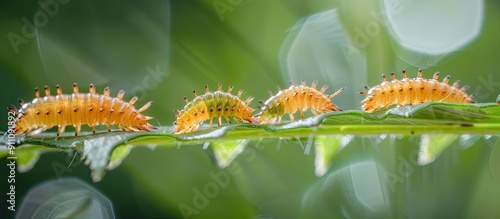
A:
x: 211, y: 105
x: 410, y: 91
x: 79, y: 109
x: 297, y: 98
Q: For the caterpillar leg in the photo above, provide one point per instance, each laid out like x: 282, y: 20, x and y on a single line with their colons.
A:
x: 38, y: 130
x: 291, y: 116
x: 189, y: 129
x: 302, y: 114
x: 269, y: 120
x: 27, y: 133
x: 128, y: 129
x: 77, y: 129
x: 273, y: 120
x: 219, y: 122
x: 60, y: 129
x: 124, y: 128
x: 316, y: 112
x: 148, y: 127
x: 108, y: 127
x: 261, y: 120
x: 237, y: 119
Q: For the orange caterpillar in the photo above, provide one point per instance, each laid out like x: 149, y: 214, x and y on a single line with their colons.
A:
x: 211, y: 105
x: 297, y: 97
x: 77, y: 109
x: 413, y: 91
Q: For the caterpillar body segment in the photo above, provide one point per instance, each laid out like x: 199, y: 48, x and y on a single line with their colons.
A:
x: 297, y: 98
x: 411, y: 91
x: 217, y: 104
x: 78, y: 109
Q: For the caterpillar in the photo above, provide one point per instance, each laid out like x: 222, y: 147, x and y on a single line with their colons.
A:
x: 77, y: 109
x: 212, y: 105
x: 297, y: 98
x: 410, y: 91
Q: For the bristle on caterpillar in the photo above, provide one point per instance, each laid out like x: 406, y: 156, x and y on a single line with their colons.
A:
x: 217, y: 104
x: 297, y: 98
x: 410, y: 91
x: 78, y: 109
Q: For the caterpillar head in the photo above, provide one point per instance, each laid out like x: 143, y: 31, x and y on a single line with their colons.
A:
x: 267, y: 115
x: 247, y: 117
x: 142, y: 124
x: 246, y: 113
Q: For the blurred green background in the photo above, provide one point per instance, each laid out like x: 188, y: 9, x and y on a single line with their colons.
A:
x: 163, y: 50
